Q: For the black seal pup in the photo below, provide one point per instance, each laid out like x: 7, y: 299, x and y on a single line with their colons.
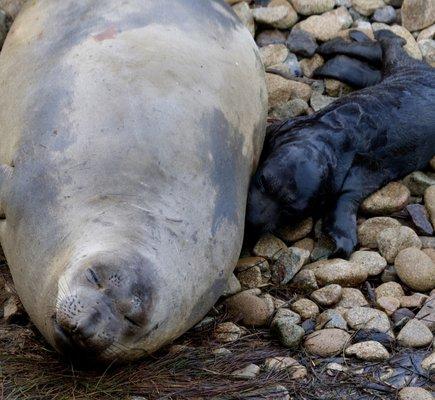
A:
x: 327, y: 163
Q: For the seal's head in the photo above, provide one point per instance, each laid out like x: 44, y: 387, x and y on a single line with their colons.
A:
x: 103, y: 307
x: 286, y: 187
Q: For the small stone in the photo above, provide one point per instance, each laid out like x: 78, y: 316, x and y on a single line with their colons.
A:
x: 245, y: 15
x: 326, y: 26
x: 420, y: 218
x: 429, y: 363
x: 287, y: 264
x: 427, y: 313
x: 428, y: 33
x: 427, y: 48
x: 305, y: 280
x: 367, y: 7
x: 429, y: 202
x: 336, y: 88
x: 415, y: 334
x: 271, y: 36
x: 418, y: 182
x: 291, y: 109
x: 386, y: 14
x: 431, y: 253
x: 309, y: 65
x: 276, y: 392
x: 290, y: 335
x: 233, y: 286
x: 331, y: 319
x: 253, y: 310
x: 369, y: 230
x: 246, y: 263
x: 291, y: 65
x: 391, y: 198
x: 273, y: 54
x: 336, y: 367
x: 279, y: 14
x: 310, y: 7
x: 227, y: 332
x: 281, y: 90
x: 301, y: 43
x: 269, y: 246
x: 371, y: 260
x: 368, y: 351
x: 389, y: 289
x: 339, y: 271
x: 328, y: 295
x: 178, y: 348
x: 250, y: 278
x: 319, y: 101
x: 418, y: 14
x: 411, y: 45
x: 326, y: 342
x: 416, y: 269
x: 393, y: 240
x: 388, y: 304
x: 351, y: 298
x: 367, y: 319
x: 415, y: 301
x: 401, y: 317
x: 221, y: 352
x: 305, y: 244
x: 427, y: 242
x: 249, y: 372
x: 305, y: 308
x: 296, y: 370
x: 289, y: 316
x: 296, y: 232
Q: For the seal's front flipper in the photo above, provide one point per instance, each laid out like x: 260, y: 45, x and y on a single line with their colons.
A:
x: 349, y: 70
x: 394, y: 56
x: 340, y: 225
x: 366, y: 51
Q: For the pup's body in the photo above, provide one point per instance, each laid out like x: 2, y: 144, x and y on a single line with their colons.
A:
x: 327, y: 163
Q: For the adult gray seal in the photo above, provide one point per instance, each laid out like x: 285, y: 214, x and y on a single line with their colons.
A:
x: 128, y: 136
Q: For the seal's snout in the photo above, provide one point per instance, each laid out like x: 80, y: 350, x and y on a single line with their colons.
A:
x: 108, y: 310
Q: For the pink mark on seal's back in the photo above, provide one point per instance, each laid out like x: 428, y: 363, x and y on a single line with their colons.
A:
x: 109, y: 33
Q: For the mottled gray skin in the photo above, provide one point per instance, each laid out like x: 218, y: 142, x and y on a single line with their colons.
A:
x: 129, y: 131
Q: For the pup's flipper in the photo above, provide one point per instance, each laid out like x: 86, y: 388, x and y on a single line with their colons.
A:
x: 366, y: 50
x: 340, y: 225
x: 394, y: 56
x: 349, y: 70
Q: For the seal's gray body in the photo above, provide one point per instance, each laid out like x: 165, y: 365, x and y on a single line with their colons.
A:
x: 128, y: 131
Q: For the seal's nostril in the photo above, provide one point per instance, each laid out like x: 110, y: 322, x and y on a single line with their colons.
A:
x: 131, y: 321
x: 92, y: 277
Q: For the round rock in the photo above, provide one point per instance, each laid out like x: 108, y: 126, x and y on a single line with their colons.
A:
x: 392, y: 240
x: 367, y: 319
x: 289, y: 334
x: 326, y: 342
x: 340, y: 272
x: 415, y: 334
x: 369, y: 230
x: 416, y: 269
x: 389, y: 289
x: 368, y: 351
x: 391, y: 198
x: 305, y: 308
x: 328, y: 295
x: 371, y: 260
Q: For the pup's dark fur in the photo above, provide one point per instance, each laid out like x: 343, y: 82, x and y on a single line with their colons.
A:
x: 327, y: 163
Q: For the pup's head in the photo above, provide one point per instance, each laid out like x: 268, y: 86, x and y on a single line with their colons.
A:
x: 287, y: 186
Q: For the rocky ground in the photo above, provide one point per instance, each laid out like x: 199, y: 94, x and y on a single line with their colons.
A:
x: 293, y: 323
